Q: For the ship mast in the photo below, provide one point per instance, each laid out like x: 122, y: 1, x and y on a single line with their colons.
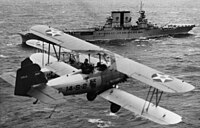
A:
x: 142, y: 21
x: 141, y: 5
x: 142, y: 12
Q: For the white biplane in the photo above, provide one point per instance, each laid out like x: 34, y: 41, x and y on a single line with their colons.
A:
x: 48, y: 79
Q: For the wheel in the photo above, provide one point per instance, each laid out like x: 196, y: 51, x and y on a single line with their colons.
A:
x: 91, y: 96
x: 114, y: 107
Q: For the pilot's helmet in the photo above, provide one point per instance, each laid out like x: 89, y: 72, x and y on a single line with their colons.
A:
x: 98, y: 64
x: 86, y: 61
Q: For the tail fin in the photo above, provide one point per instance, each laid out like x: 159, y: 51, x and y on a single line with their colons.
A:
x: 28, y: 75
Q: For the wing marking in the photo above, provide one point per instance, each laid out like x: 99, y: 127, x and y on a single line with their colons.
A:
x: 159, y: 77
x: 53, y: 32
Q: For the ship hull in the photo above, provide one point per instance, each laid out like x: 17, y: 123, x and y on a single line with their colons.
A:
x: 128, y: 34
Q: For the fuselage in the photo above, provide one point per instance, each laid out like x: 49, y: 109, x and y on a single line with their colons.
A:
x: 97, y: 82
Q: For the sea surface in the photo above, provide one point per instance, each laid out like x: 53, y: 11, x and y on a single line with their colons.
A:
x: 177, y: 56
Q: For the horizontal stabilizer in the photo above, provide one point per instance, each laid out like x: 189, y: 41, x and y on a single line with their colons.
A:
x: 46, y: 94
x: 9, y: 77
x: 151, y: 76
x: 139, y: 107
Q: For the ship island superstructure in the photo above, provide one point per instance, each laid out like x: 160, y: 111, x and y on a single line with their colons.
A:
x: 118, y: 26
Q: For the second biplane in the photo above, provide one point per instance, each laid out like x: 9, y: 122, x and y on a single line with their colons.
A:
x: 48, y: 79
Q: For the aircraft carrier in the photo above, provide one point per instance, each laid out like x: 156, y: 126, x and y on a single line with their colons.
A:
x: 118, y: 26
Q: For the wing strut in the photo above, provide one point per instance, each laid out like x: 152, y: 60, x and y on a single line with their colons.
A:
x: 89, y: 58
x: 49, y: 52
x: 158, y: 98
x: 52, y: 111
x: 43, y: 53
x: 35, y: 102
x: 57, y: 54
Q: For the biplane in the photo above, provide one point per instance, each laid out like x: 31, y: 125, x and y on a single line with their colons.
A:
x: 48, y: 78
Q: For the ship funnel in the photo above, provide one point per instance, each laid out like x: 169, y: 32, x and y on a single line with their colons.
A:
x: 121, y: 19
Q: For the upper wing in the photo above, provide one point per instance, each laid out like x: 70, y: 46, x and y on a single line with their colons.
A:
x: 141, y: 107
x: 54, y: 36
x: 151, y: 76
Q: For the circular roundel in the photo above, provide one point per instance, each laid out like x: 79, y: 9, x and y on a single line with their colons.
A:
x: 53, y: 32
x: 159, y: 77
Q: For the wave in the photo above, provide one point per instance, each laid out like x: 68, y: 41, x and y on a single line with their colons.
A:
x: 197, y: 35
x: 45, y: 109
x: 111, y: 114
x: 192, y: 69
x: 100, y: 123
x: 3, y: 56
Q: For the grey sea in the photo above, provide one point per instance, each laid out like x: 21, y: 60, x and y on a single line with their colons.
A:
x: 177, y: 56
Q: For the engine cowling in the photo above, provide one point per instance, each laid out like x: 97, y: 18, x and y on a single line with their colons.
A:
x: 114, y: 107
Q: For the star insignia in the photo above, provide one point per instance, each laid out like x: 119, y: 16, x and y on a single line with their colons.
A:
x: 53, y: 32
x: 158, y: 77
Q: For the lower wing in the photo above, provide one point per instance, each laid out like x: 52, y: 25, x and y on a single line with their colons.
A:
x: 50, y: 63
x: 141, y: 107
x: 45, y: 46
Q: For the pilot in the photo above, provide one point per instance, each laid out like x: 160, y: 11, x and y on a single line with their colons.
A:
x: 86, y: 62
x: 101, y: 67
x: 86, y: 67
x: 72, y: 60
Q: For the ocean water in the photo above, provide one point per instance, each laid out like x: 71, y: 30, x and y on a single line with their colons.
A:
x: 177, y: 56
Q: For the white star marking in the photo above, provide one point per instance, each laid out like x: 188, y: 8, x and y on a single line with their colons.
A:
x: 53, y: 32
x: 161, y: 78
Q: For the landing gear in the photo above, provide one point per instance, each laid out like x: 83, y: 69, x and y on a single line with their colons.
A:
x: 35, y: 102
x: 91, y: 96
x: 114, y: 107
